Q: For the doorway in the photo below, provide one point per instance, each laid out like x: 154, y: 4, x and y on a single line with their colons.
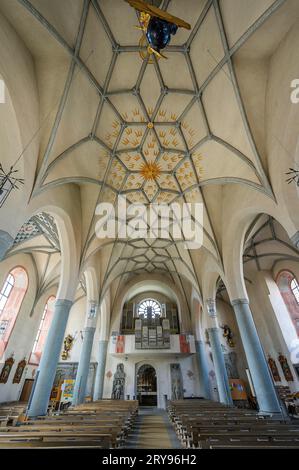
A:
x: 147, y: 385
x: 26, y: 391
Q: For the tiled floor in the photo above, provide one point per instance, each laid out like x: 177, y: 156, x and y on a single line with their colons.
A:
x: 152, y: 430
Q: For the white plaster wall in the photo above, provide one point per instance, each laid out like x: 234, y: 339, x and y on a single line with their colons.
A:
x: 74, y: 327
x: 282, y: 314
x: 162, y: 367
x: 25, y: 329
x: 265, y: 303
x: 226, y: 316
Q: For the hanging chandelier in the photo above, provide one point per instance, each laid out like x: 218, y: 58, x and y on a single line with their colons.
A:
x: 158, y: 25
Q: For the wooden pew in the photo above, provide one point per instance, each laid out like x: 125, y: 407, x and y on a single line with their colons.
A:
x: 51, y: 440
x: 251, y: 445
x: 10, y: 412
x: 102, y: 424
x: 205, y: 424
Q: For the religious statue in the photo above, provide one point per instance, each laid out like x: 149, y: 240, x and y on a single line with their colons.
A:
x: 68, y: 344
x: 6, y: 370
x: 19, y: 372
x: 176, y: 382
x: 118, y: 389
x: 285, y: 368
x: 228, y: 335
x: 230, y: 360
x: 274, y: 369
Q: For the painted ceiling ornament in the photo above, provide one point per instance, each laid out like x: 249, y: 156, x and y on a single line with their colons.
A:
x: 150, y: 171
x: 158, y: 26
x: 150, y: 162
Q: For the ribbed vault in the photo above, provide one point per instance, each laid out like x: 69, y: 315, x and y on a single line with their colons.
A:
x: 117, y: 121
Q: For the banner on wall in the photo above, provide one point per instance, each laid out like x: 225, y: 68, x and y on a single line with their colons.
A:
x: 184, y: 344
x: 120, y: 344
x: 238, y: 390
x: 67, y: 389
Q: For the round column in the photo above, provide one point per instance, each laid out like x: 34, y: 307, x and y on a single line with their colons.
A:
x: 39, y: 400
x: 83, y: 366
x: 99, y: 381
x: 203, y: 374
x: 219, y: 364
x: 262, y: 381
x: 84, y: 362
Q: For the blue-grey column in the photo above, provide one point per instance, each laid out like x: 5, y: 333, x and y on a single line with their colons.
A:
x: 203, y: 369
x: 220, y: 369
x: 83, y: 366
x: 99, y: 381
x: 261, y: 378
x: 6, y: 242
x: 39, y: 401
x: 295, y: 239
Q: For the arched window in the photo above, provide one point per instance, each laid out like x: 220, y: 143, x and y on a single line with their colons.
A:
x: 289, y: 289
x: 11, y: 298
x: 42, y: 331
x: 6, y: 290
x: 295, y: 289
x: 149, y: 308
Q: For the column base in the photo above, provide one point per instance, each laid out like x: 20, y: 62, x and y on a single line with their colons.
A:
x: 273, y: 415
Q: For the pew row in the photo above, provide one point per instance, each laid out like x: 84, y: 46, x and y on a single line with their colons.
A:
x: 205, y: 424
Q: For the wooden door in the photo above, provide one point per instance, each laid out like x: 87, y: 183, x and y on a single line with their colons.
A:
x: 26, y: 390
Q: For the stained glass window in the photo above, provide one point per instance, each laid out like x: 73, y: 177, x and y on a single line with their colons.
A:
x: 295, y: 289
x: 6, y: 290
x: 149, y: 308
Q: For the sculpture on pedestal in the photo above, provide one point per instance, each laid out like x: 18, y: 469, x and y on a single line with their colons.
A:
x: 230, y: 360
x: 176, y: 382
x: 118, y: 389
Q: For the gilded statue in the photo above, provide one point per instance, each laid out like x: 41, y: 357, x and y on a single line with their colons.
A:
x: 68, y: 344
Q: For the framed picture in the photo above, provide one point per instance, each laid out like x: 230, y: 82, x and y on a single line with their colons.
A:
x: 6, y: 370
x: 19, y: 372
x: 285, y: 368
x: 274, y: 369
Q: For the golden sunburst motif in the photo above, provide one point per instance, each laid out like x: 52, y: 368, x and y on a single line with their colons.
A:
x: 147, y: 173
x: 150, y: 171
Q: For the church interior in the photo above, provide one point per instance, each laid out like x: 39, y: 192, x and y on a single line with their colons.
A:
x: 148, y: 342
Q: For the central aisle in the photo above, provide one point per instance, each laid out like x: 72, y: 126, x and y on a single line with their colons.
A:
x: 152, y: 430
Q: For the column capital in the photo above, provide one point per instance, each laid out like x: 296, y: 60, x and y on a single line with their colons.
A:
x: 89, y: 329
x: 199, y: 341
x: 239, y: 302
x: 213, y: 329
x: 63, y: 303
x: 211, y: 307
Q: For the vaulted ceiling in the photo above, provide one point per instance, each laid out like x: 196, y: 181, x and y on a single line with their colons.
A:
x: 118, y: 121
